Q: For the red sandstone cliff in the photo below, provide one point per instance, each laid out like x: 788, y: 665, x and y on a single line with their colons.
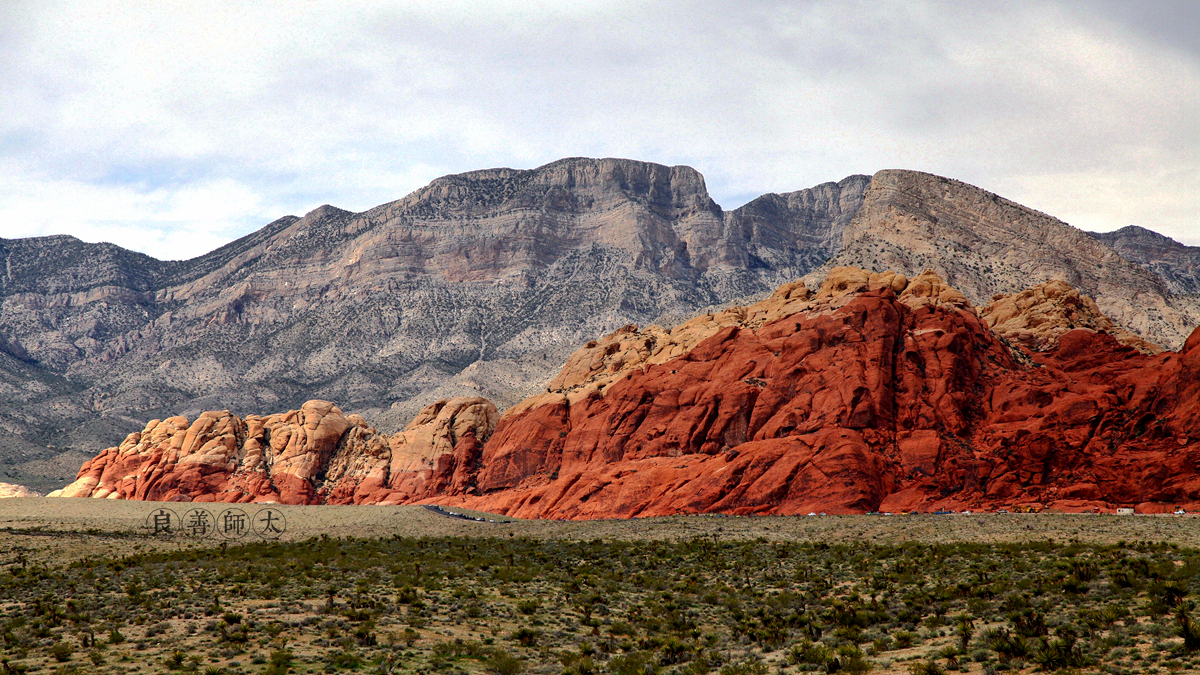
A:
x: 874, y: 393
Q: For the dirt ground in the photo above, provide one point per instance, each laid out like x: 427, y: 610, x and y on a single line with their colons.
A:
x: 61, y: 530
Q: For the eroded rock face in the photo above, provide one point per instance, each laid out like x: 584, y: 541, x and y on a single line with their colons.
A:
x: 985, y: 245
x: 601, y: 362
x: 8, y: 490
x: 314, y: 455
x: 1037, y: 317
x: 882, y: 401
x: 874, y: 392
x: 477, y: 284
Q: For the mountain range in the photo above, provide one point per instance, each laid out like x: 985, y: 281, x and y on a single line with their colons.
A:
x: 875, y: 392
x: 482, y: 284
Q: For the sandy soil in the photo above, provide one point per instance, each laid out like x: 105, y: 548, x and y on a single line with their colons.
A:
x: 66, y: 529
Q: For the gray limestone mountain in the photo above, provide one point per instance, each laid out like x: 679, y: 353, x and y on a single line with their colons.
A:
x: 1177, y: 265
x: 985, y: 245
x: 479, y: 283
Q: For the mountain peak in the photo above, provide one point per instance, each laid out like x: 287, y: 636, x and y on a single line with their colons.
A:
x: 1175, y: 264
x: 985, y: 245
x: 1138, y: 234
x: 325, y: 211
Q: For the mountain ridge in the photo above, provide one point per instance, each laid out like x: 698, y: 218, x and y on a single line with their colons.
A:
x: 478, y: 284
x: 875, y: 392
x: 984, y: 245
x: 1176, y: 264
x: 451, y: 281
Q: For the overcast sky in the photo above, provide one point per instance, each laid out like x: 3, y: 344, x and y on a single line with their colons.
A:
x: 172, y: 128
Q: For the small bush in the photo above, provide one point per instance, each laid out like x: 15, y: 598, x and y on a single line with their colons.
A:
x: 280, y: 662
x: 61, y: 651
x: 904, y: 639
x: 503, y: 663
x: 926, y: 668
x: 527, y: 637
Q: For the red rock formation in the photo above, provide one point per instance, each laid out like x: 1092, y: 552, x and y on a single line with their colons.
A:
x: 890, y: 402
x: 314, y: 455
x: 873, y: 393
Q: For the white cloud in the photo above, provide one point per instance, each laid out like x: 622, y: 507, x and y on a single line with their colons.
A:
x: 151, y: 124
x: 169, y: 223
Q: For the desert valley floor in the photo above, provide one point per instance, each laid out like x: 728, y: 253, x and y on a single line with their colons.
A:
x: 85, y: 587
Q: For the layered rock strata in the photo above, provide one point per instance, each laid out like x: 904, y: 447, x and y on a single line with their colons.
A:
x: 477, y: 284
x: 313, y: 455
x: 985, y: 245
x: 873, y: 392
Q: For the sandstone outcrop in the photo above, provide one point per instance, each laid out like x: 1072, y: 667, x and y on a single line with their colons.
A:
x: 313, y: 455
x: 601, y: 362
x: 477, y: 284
x: 985, y: 245
x: 882, y: 401
x: 1037, y: 317
x: 8, y: 490
x: 874, y: 392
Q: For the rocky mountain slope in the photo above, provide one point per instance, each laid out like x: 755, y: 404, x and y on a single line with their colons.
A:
x: 986, y: 245
x: 1178, y: 266
x: 876, y: 392
x: 480, y: 283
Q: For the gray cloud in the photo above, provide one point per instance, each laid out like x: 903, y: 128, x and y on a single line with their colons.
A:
x: 172, y: 129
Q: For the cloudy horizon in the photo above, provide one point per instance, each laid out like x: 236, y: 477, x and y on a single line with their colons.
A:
x: 172, y: 130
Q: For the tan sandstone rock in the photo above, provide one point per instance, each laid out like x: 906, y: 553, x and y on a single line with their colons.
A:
x: 1037, y: 317
x: 8, y: 490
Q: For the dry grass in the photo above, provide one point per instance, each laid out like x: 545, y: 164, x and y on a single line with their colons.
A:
x: 66, y: 529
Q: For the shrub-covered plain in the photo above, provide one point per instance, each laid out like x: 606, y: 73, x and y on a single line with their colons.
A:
x: 512, y: 605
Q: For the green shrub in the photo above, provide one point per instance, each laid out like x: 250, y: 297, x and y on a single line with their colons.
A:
x: 1189, y: 630
x: 809, y: 652
x: 748, y: 667
x: 904, y: 639
x: 637, y: 663
x: 1061, y: 652
x: 503, y: 663
x: 926, y: 668
x: 526, y: 636
x: 280, y: 662
x: 61, y: 651
x: 345, y: 660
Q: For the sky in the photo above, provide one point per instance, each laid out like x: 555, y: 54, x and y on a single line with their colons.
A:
x: 173, y: 128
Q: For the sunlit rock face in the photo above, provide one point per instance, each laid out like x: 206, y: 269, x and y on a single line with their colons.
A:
x: 478, y: 284
x: 876, y: 391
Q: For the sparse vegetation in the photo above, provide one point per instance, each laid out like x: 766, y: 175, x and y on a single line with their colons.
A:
x: 510, y: 605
